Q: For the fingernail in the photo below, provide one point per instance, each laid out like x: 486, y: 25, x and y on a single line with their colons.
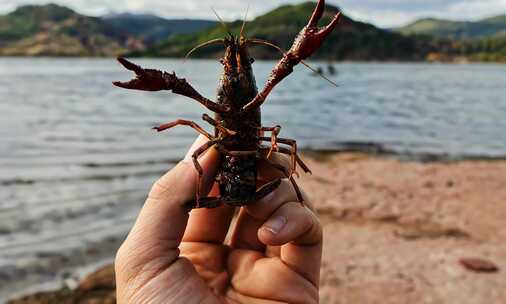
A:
x: 276, y: 224
x: 197, y: 144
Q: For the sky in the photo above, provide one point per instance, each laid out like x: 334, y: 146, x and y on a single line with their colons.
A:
x: 383, y: 13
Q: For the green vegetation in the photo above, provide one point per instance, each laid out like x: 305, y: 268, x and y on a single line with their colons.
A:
x: 491, y: 27
x: 28, y: 20
x: 153, y: 29
x: 53, y: 30
x: 484, y: 40
x: 350, y: 41
x: 484, y: 49
x: 58, y: 31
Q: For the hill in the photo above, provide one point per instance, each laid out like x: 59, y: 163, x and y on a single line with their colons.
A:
x: 486, y: 28
x: 153, y: 29
x: 351, y: 40
x: 58, y: 31
x: 53, y: 30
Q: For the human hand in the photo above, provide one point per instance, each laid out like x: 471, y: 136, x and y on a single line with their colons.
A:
x: 273, y: 255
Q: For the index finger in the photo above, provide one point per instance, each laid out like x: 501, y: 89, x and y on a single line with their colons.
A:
x: 208, y: 225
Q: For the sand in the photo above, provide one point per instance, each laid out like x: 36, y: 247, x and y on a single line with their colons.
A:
x: 394, y: 232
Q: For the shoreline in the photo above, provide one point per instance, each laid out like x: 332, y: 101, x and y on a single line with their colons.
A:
x: 394, y: 226
x: 370, y: 149
x: 378, y: 150
x: 322, y: 60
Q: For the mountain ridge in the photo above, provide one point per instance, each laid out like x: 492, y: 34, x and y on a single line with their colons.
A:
x: 54, y: 30
x: 282, y: 24
x: 442, y: 28
x: 153, y: 28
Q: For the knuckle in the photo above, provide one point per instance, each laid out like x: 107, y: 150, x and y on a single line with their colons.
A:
x: 163, y: 187
x: 312, y: 230
x: 316, y: 230
x: 158, y: 189
x: 118, y: 259
x: 121, y: 260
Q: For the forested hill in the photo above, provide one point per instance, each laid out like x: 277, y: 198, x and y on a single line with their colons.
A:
x: 154, y: 29
x: 483, y: 40
x: 54, y: 30
x: 351, y: 40
x: 440, y: 28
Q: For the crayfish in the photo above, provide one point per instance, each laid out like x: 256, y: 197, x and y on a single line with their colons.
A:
x: 238, y: 132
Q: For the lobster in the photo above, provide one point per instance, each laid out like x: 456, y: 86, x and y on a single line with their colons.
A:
x: 239, y: 134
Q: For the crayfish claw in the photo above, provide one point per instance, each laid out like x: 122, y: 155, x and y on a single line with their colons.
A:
x: 130, y: 66
x: 124, y: 85
x: 144, y: 80
x: 134, y: 84
x: 311, y: 37
x: 324, y: 32
x: 317, y: 14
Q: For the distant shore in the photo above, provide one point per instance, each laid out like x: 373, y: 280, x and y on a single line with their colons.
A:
x: 398, y: 229
x: 374, y: 150
x: 459, y: 60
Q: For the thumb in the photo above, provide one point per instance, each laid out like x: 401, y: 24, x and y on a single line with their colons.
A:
x: 159, y: 228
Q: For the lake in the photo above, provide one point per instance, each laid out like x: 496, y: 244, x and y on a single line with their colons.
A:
x: 77, y: 155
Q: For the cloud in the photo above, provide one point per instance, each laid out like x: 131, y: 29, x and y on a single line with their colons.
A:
x: 385, y: 13
x: 389, y: 13
x: 478, y: 9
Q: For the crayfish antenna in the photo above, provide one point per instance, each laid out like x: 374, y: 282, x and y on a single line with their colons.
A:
x: 319, y: 74
x: 264, y: 42
x: 222, y: 22
x: 207, y: 43
x: 244, y: 22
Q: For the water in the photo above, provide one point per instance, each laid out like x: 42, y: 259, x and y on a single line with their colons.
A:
x: 77, y: 155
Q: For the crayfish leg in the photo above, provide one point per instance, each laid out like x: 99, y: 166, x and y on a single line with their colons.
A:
x: 290, y: 178
x: 267, y: 189
x: 181, y: 122
x: 204, y: 202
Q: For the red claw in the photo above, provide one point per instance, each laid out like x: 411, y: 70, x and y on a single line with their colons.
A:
x: 329, y: 28
x: 307, y: 42
x: 317, y: 14
x: 311, y: 37
x: 145, y: 80
x: 130, y: 66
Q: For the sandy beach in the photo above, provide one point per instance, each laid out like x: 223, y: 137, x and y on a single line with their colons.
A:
x: 394, y: 232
